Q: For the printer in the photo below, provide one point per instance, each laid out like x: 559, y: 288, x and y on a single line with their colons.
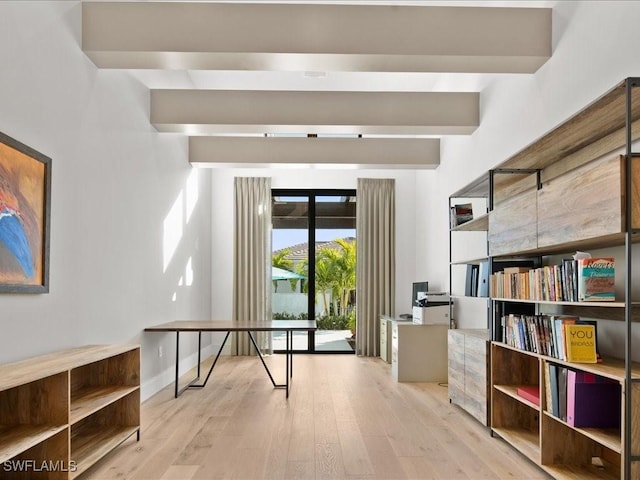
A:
x: 432, y: 309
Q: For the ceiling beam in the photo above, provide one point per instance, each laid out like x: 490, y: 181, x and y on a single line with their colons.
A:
x: 315, y: 37
x: 199, y: 112
x: 414, y: 153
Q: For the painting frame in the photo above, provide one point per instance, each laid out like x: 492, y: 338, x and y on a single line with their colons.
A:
x: 25, y: 217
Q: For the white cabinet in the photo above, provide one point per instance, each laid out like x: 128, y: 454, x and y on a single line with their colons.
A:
x: 418, y: 352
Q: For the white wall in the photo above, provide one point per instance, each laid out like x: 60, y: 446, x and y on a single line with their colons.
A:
x: 595, y: 47
x: 114, y: 182
x: 222, y: 227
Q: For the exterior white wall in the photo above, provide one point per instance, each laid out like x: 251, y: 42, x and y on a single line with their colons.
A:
x: 595, y: 48
x: 222, y: 227
x: 115, y: 181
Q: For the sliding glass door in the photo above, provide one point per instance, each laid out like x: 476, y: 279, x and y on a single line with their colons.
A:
x: 313, y: 266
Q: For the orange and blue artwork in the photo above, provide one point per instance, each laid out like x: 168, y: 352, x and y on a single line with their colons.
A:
x: 23, y: 217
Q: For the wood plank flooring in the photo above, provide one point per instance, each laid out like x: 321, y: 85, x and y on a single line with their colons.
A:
x: 345, y: 419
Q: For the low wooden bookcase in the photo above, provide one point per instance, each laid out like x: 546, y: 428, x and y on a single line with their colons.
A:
x: 61, y: 413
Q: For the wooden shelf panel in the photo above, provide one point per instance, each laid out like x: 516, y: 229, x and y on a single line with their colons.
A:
x: 610, y: 367
x: 91, y: 399
x: 15, y: 439
x: 523, y: 440
x: 574, y: 304
x: 576, y: 472
x: 478, y: 224
x: 32, y: 369
x: 93, y: 444
x: 512, y: 391
x: 609, y: 437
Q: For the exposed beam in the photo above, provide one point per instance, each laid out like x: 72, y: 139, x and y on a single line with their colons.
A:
x: 318, y: 37
x: 353, y: 152
x: 198, y: 112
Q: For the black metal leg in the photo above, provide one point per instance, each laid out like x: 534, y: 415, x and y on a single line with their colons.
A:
x: 289, y: 371
x: 291, y: 356
x: 199, y: 352
x: 176, y: 393
x: 203, y: 384
x: 192, y: 383
x: 255, y: 345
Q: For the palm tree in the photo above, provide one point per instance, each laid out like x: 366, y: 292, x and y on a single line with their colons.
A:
x: 280, y: 260
x: 340, y: 265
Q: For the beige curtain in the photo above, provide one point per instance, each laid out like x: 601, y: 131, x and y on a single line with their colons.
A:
x: 252, y: 260
x: 375, y: 271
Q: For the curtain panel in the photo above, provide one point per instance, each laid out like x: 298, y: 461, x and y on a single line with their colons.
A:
x: 375, y: 270
x: 252, y: 260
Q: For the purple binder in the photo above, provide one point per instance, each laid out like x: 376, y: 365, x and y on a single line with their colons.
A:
x: 592, y: 401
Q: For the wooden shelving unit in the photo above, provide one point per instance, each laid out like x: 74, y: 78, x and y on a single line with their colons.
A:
x: 581, y: 184
x: 67, y: 410
x: 541, y: 436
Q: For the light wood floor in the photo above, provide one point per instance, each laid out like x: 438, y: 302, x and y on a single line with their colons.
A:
x: 345, y: 419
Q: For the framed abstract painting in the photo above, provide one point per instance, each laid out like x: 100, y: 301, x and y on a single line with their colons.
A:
x: 25, y: 214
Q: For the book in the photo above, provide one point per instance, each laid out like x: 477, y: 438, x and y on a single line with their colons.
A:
x: 461, y: 213
x: 553, y: 380
x: 471, y: 280
x: 562, y: 392
x: 596, y: 279
x: 595, y: 330
x: 558, y: 325
x: 580, y: 343
x: 530, y: 392
x: 592, y: 401
x: 483, y: 279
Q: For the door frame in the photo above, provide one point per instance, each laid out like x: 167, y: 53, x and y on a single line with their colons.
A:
x: 311, y: 194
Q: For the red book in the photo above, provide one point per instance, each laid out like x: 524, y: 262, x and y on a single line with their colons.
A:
x: 531, y: 393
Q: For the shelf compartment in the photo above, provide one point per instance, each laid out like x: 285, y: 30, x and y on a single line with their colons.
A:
x: 523, y: 440
x: 122, y: 369
x: 511, y: 366
x: 567, y: 450
x: 96, y: 435
x: 89, y: 400
x: 478, y: 224
x: 92, y: 444
x: 16, y: 439
x: 512, y: 391
x: 573, y: 472
x: 608, y: 437
x: 45, y: 460
x: 516, y: 421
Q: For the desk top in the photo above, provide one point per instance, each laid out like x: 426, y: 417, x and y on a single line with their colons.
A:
x: 234, y: 326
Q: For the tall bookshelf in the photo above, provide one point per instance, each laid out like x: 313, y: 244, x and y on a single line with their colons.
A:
x: 468, y: 350
x: 583, y: 166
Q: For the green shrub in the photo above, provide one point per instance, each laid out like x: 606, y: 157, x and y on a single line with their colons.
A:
x: 333, y: 323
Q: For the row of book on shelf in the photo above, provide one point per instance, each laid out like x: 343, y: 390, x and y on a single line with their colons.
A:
x: 581, y: 399
x: 582, y: 280
x: 565, y: 337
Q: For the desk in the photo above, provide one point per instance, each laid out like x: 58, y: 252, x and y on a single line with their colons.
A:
x: 228, y: 326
